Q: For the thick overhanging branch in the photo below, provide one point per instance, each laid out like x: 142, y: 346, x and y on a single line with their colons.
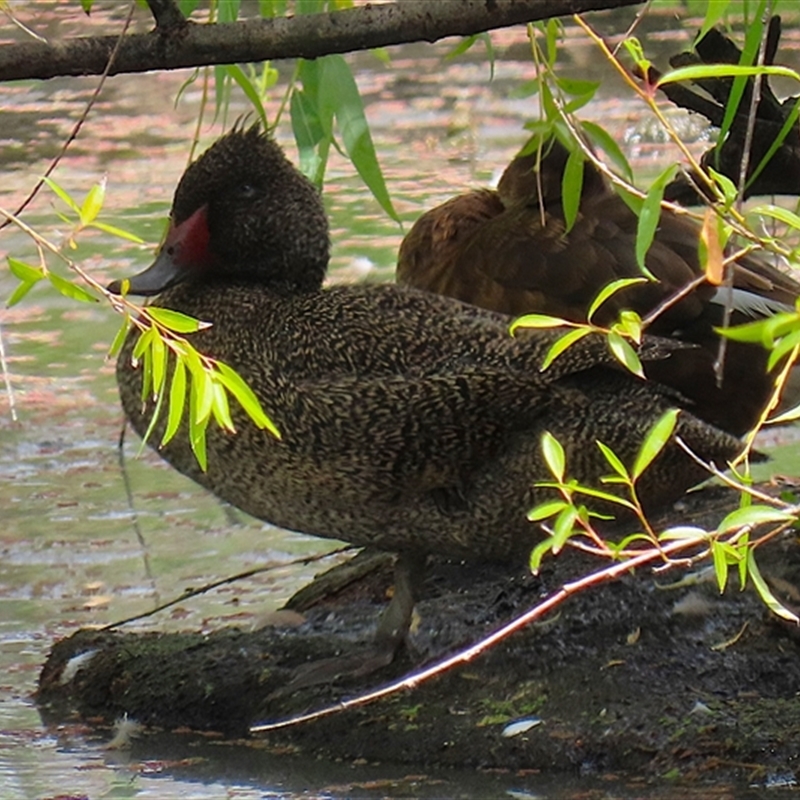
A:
x: 176, y: 44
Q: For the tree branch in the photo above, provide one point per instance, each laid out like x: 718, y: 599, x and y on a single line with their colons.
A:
x: 166, y: 14
x: 175, y: 45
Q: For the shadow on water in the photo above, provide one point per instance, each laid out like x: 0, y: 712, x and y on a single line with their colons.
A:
x: 70, y: 554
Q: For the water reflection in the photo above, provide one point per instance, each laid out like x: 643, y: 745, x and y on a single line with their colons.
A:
x: 70, y: 554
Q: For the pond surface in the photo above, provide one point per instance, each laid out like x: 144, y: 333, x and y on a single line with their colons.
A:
x: 76, y: 551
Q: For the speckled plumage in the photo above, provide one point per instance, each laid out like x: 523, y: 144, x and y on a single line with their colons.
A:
x: 409, y: 422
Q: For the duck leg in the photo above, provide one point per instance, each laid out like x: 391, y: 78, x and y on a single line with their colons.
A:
x: 389, y: 637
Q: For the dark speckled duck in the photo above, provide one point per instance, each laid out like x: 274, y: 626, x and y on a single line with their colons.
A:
x: 409, y: 422
x: 497, y: 250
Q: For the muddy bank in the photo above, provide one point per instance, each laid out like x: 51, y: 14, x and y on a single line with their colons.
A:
x: 630, y: 676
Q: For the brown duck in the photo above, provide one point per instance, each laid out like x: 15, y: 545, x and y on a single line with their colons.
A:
x: 409, y: 422
x: 494, y: 249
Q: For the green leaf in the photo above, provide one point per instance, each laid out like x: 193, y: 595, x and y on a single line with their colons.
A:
x: 93, y: 203
x: 726, y: 185
x: 615, y: 499
x: 114, y: 231
x: 153, y: 419
x: 561, y: 344
x: 790, y: 415
x: 611, y: 289
x: 614, y: 461
x: 18, y: 293
x: 158, y: 355
x: 251, y: 93
x: 197, y: 439
x: 772, y: 602
x: 539, y: 552
x: 683, y: 533
x: 563, y: 528
x: 723, y: 71
x: 572, y: 187
x: 175, y: 320
x: 545, y: 510
x: 776, y: 212
x: 27, y: 273
x: 608, y: 144
x: 220, y: 408
x: 715, y: 9
x: 554, y: 455
x: 537, y: 321
x: 624, y: 353
x: 120, y: 336
x: 63, y: 194
x: 177, y: 401
x: 245, y: 396
x: 142, y: 344
x: 750, y: 516
x: 202, y: 396
x: 651, y: 214
x: 720, y: 565
x: 655, y: 441
x: 69, y: 289
x: 337, y: 83
x: 636, y: 52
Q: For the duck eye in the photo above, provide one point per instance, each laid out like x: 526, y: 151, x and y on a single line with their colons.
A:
x: 247, y: 190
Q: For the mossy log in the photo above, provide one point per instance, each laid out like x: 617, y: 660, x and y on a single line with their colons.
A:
x: 629, y: 676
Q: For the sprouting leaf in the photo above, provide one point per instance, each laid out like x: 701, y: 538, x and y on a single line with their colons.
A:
x: 63, y: 194
x: 614, y: 461
x: 245, y: 396
x: 93, y: 203
x: 774, y: 605
x: 572, y: 187
x: 636, y: 52
x: 655, y: 441
x: 175, y: 320
x: 177, y: 401
x: 728, y: 187
x: 545, y: 510
x: 561, y: 344
x: 611, y: 289
x: 720, y: 565
x: 69, y: 289
x: 624, y: 353
x: 554, y: 455
x: 537, y: 321
x: 651, y: 214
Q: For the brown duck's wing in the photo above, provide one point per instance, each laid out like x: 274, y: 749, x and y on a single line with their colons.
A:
x: 426, y: 256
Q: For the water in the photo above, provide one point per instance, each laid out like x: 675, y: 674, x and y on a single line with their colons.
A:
x: 74, y: 552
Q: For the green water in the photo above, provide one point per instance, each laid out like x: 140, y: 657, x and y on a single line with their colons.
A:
x: 74, y: 550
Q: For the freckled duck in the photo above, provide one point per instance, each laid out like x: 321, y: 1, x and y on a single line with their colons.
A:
x: 493, y: 249
x: 409, y: 422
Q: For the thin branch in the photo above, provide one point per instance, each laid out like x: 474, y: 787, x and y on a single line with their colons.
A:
x: 248, y: 573
x: 79, y: 124
x: 411, y: 681
x: 305, y: 35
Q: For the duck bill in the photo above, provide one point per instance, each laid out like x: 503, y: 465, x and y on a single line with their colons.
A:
x: 185, y: 250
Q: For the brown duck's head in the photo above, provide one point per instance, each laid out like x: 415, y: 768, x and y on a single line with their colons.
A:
x: 241, y: 213
x: 522, y: 183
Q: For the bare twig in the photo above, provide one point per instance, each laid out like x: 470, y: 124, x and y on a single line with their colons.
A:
x: 463, y: 656
x: 12, y: 407
x: 79, y: 124
x: 222, y: 582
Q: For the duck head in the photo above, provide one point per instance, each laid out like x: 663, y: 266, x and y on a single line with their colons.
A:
x: 241, y: 213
